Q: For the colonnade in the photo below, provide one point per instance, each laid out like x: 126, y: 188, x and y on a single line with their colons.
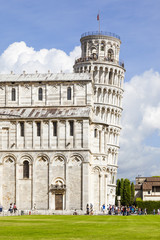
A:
x: 108, y: 96
x: 103, y: 74
x: 108, y: 115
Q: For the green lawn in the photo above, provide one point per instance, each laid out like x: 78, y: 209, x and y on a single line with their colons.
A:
x: 80, y: 227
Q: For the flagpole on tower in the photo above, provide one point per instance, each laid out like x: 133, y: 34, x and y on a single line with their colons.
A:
x: 98, y: 19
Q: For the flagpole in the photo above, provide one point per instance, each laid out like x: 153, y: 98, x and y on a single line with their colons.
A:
x: 98, y: 19
x: 99, y: 22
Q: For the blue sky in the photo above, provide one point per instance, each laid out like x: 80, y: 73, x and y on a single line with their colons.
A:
x: 43, y: 34
x: 59, y: 24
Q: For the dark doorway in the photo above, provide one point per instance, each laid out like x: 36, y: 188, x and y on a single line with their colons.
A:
x: 58, y: 201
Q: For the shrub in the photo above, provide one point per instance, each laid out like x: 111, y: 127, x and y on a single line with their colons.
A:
x: 149, y: 205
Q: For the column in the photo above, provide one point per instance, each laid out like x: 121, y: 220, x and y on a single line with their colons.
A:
x: 49, y: 134
x: 86, y: 138
x: 105, y: 142
x: 6, y: 95
x: 85, y: 185
x: 41, y: 137
x: 33, y: 134
x: 25, y: 134
x: 105, y: 187
x: 16, y: 134
x: 100, y: 191
x: 100, y: 141
x: 67, y: 192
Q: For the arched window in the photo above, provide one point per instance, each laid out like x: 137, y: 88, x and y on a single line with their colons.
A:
x: 102, y: 46
x: 25, y: 169
x: 40, y: 94
x: 13, y: 93
x: 71, y: 123
x: 110, y: 55
x: 38, y: 129
x: 110, y: 77
x: 69, y: 93
x: 22, y: 129
x: 95, y: 133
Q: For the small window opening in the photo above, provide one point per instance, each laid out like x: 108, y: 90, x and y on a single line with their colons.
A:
x: 110, y: 55
x: 110, y: 77
x: 54, y: 128
x: 69, y: 93
x: 113, y: 180
x: 95, y: 133
x: 40, y: 94
x: 38, y: 129
x: 13, y: 94
x: 102, y: 46
x: 71, y: 123
x: 22, y: 129
x: 25, y: 169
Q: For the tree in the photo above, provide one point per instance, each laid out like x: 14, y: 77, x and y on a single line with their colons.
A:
x: 121, y: 189
x: 132, y: 193
x: 126, y: 192
x: 118, y: 190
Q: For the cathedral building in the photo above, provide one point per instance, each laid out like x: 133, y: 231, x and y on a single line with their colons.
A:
x: 59, y: 133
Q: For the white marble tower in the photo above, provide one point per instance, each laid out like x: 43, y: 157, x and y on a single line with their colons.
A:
x: 100, y: 57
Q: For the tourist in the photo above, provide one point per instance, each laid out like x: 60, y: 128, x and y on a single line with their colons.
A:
x: 75, y: 212
x: 87, y: 209
x: 14, y: 208
x: 11, y: 208
x: 103, y: 208
x: 145, y: 211
x: 154, y: 211
x: 1, y: 208
x: 91, y: 209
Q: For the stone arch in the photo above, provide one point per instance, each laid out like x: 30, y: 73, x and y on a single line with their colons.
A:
x: 99, y: 95
x: 103, y: 113
x: 9, y: 158
x: 58, y: 180
x: 8, y: 180
x: 59, y: 159
x: 101, y: 75
x: 76, y: 159
x: 74, y: 180
x: 97, y: 111
x: 110, y: 54
x: 110, y: 76
x: 95, y: 74
x: 96, y: 169
x: 102, y: 45
x: 42, y: 159
x: 104, y: 95
x: 26, y: 157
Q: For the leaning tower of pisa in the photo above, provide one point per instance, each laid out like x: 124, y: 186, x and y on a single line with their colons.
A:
x: 100, y: 57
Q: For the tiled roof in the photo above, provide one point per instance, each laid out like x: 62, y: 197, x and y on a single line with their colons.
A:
x: 149, y: 185
x: 137, y: 187
x: 37, y: 77
x: 45, y: 112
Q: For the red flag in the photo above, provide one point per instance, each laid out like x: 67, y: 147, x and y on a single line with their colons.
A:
x: 97, y: 17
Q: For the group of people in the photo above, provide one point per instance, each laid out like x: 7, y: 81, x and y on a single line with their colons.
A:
x: 89, y: 209
x: 12, y: 208
x: 129, y: 210
x: 123, y: 210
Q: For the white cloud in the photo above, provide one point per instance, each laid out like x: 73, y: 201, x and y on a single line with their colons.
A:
x: 140, y: 121
x: 18, y: 57
x: 141, y: 103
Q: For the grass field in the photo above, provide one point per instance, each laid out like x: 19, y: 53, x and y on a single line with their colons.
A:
x: 80, y: 227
